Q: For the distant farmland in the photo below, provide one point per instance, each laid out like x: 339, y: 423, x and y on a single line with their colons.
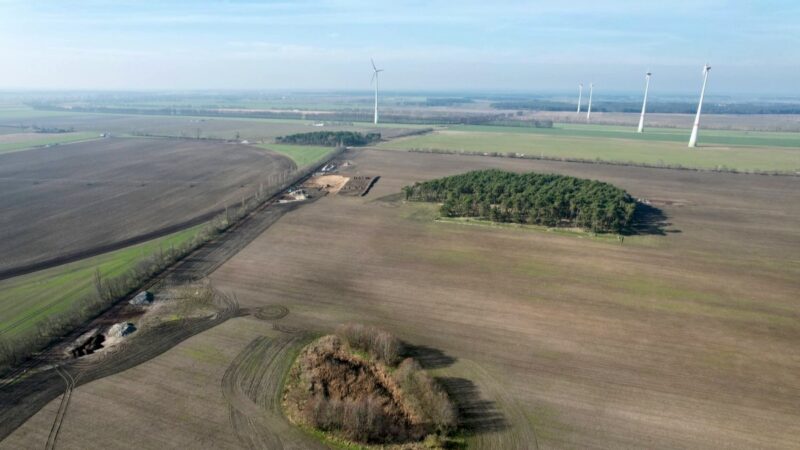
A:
x: 252, y: 129
x: 302, y: 155
x: 65, y: 199
x: 718, y: 149
x: 21, y: 141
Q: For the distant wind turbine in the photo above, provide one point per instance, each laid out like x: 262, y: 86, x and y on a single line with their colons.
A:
x: 644, y: 103
x: 375, y: 80
x: 693, y: 138
x: 580, y: 94
x: 589, y: 111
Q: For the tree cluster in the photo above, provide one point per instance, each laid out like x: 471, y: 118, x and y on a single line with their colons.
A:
x: 330, y: 138
x: 378, y: 343
x: 533, y: 198
x: 334, y: 387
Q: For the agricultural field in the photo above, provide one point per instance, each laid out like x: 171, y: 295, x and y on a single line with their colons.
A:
x: 27, y: 300
x: 302, y: 155
x: 744, y: 151
x: 743, y: 122
x: 68, y: 199
x: 683, y: 336
x: 13, y: 142
x: 252, y: 129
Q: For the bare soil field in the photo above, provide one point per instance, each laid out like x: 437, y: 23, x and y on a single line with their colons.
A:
x: 254, y: 130
x: 685, y: 336
x: 686, y: 339
x: 61, y: 201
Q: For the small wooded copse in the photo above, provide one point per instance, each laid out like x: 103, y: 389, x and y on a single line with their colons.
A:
x: 330, y: 138
x: 533, y: 198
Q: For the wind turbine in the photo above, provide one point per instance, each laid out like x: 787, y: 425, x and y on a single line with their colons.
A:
x: 375, y: 80
x: 589, y: 111
x: 644, y: 103
x: 693, y: 138
x: 580, y: 93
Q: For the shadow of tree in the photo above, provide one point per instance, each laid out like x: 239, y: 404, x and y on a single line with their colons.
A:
x: 476, y: 415
x: 648, y: 219
x: 428, y: 357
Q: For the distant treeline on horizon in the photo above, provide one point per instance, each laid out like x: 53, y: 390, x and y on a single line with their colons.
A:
x: 652, y: 107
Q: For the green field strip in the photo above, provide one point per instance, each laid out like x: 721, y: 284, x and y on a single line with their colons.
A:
x: 597, y: 146
x: 27, y: 300
x: 302, y: 155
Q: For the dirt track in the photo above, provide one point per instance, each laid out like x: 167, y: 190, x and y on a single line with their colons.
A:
x: 77, y: 200
x: 686, y: 337
x: 252, y: 388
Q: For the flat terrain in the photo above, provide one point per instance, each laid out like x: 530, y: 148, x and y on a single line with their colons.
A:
x: 686, y: 337
x: 65, y: 199
x: 718, y: 149
x: 12, y: 142
x: 27, y: 300
x: 302, y: 155
x: 745, y: 122
x: 254, y: 130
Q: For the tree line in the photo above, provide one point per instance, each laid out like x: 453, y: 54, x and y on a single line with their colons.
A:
x: 665, y: 107
x: 110, y: 289
x: 532, y: 198
x: 330, y: 138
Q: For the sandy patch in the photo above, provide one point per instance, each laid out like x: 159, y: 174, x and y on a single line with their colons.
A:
x: 330, y: 183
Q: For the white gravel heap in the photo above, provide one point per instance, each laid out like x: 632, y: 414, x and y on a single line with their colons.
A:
x: 142, y: 298
x: 121, y: 329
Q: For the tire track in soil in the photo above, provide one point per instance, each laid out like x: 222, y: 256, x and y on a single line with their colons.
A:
x: 252, y: 388
x: 271, y: 312
x: 69, y: 383
x: 495, y: 422
x: 26, y: 395
x: 34, y: 383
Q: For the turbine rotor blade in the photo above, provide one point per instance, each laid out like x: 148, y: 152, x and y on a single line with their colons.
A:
x: 373, y: 64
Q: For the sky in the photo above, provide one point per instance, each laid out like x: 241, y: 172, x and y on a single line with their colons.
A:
x: 532, y: 46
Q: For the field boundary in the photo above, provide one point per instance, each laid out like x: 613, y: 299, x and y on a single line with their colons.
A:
x: 512, y: 155
x: 201, y: 260
x: 36, y: 266
x: 101, y: 249
x: 602, y: 237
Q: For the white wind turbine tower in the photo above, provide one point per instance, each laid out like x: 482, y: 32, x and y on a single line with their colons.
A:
x: 375, y: 80
x: 693, y: 138
x: 644, y: 103
x: 589, y: 111
x: 580, y: 94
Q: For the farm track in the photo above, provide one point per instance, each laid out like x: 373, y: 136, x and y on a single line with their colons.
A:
x: 204, y: 260
x: 27, y: 395
x: 35, y: 383
x: 69, y: 382
x: 252, y: 388
x: 122, y: 191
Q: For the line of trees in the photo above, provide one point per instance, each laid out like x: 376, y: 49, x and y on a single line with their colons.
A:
x: 533, y: 198
x: 330, y: 138
x: 108, y: 290
x: 665, y: 107
x: 428, y: 117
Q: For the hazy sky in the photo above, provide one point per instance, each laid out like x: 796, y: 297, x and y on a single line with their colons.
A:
x: 753, y: 46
